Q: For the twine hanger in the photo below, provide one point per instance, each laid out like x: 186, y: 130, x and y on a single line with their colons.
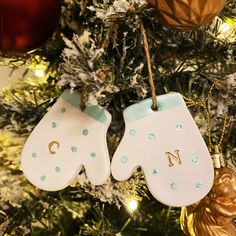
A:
x: 150, y: 74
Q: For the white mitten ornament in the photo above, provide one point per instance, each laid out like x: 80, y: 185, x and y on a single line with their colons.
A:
x: 64, y: 140
x: 170, y: 149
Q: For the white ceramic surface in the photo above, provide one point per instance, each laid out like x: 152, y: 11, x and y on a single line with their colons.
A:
x: 169, y: 148
x: 63, y: 141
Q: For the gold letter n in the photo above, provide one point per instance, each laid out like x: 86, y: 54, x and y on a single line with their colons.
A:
x: 175, y: 157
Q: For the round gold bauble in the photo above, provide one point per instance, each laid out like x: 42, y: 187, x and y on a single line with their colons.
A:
x: 187, y: 14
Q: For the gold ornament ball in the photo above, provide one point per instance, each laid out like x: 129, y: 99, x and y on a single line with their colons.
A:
x: 187, y: 14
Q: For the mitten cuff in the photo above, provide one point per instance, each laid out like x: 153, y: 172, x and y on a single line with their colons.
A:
x: 94, y: 112
x: 144, y: 108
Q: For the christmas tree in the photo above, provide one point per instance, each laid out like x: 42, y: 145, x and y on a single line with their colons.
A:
x: 114, y: 54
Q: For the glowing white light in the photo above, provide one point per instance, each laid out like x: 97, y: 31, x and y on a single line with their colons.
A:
x: 133, y: 205
x: 39, y: 73
x: 224, y: 28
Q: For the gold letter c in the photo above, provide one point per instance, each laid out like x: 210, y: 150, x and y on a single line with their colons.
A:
x: 50, y: 147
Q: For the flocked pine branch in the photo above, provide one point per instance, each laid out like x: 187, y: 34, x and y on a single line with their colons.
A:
x: 98, y: 49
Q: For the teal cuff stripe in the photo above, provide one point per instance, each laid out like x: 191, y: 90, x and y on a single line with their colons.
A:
x: 143, y: 109
x: 94, y: 112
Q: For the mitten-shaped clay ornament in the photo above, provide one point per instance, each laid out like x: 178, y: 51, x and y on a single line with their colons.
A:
x: 64, y: 140
x: 169, y: 148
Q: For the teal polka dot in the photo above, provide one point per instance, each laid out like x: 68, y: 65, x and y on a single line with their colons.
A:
x: 154, y: 171
x: 58, y: 169
x: 34, y: 155
x: 195, y: 159
x: 151, y: 136
x: 124, y: 159
x: 85, y: 132
x: 199, y: 185
x: 132, y: 132
x: 43, y: 177
x: 63, y: 110
x: 179, y: 127
x: 54, y: 124
x: 173, y: 186
x: 93, y: 154
x: 74, y: 149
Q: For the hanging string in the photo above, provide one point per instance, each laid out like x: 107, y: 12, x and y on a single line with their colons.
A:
x: 216, y: 147
x: 82, y: 99
x: 150, y: 75
x: 110, y: 31
x: 217, y: 157
x: 203, y: 103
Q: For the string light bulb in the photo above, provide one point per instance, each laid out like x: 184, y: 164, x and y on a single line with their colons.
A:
x: 39, y: 73
x: 226, y: 30
x: 132, y: 205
